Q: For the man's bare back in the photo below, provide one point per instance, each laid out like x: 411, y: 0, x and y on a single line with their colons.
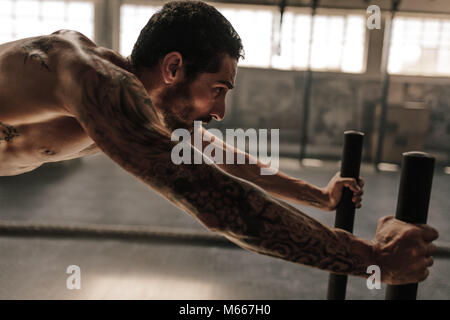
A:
x: 35, y: 125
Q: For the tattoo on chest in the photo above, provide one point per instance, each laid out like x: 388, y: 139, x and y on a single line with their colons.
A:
x: 8, y: 132
x: 37, y: 50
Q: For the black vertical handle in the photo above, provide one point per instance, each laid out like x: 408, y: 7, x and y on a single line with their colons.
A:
x: 412, y: 205
x: 345, y: 212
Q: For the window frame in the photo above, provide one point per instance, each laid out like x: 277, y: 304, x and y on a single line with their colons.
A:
x: 94, y: 17
x: 245, y: 6
x: 405, y: 75
x: 107, y: 25
x: 343, y: 13
x: 275, y: 10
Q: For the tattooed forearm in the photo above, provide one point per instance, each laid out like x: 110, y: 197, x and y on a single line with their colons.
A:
x: 295, y: 190
x: 291, y: 189
x: 8, y: 132
x: 117, y: 113
x: 310, y: 199
x: 279, y: 185
x: 258, y: 222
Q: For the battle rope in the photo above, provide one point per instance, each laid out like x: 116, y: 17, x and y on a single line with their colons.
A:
x: 181, y: 236
x: 170, y: 235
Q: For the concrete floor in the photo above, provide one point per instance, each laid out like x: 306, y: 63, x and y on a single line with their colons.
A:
x: 95, y: 190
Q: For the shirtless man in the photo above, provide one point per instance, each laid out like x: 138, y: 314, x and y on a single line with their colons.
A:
x: 63, y: 97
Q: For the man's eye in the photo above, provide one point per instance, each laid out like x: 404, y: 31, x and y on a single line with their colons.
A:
x: 218, y: 90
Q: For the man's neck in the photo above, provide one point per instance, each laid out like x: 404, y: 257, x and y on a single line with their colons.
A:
x: 152, y: 83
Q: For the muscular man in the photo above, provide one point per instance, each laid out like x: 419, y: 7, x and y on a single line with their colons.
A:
x: 63, y: 97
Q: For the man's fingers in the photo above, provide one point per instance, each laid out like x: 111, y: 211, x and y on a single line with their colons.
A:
x: 361, y: 182
x: 428, y: 233
x: 351, y: 184
x: 423, y: 275
x: 429, y: 261
x: 430, y: 250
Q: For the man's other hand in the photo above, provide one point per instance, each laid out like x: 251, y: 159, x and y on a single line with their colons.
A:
x: 333, y: 191
x: 403, y: 251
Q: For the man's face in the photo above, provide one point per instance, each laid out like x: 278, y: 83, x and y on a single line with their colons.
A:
x: 202, y: 99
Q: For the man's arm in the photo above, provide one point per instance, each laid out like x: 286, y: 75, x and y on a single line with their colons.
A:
x: 114, y: 109
x: 281, y: 185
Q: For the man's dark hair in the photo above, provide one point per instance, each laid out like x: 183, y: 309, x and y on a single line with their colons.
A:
x: 195, y: 29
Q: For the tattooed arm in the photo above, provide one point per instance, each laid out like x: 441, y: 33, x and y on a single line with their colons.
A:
x: 281, y: 185
x: 114, y: 109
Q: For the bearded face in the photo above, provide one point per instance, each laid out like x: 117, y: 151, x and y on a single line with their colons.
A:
x: 199, y: 99
x: 179, y: 109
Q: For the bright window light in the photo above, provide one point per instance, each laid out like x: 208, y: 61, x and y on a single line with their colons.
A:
x: 28, y: 18
x: 256, y: 36
x: 337, y: 43
x: 338, y: 40
x: 420, y: 46
x: 254, y: 26
x: 132, y: 19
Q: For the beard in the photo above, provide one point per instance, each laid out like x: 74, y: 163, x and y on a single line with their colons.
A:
x: 177, y: 107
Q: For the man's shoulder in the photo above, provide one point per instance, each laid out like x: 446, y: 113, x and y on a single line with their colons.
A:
x: 84, y: 53
x: 55, y: 49
x: 71, y: 37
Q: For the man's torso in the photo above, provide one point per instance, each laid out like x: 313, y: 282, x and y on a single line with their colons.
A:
x: 35, y: 126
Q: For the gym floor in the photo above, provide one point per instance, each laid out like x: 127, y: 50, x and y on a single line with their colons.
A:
x: 94, y: 190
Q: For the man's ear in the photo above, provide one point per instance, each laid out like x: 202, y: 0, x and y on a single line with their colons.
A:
x: 172, y: 67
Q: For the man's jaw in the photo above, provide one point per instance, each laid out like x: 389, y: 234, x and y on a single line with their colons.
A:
x: 205, y: 120
x: 183, y: 121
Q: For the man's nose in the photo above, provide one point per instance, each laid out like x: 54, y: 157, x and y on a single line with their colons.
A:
x: 218, y: 112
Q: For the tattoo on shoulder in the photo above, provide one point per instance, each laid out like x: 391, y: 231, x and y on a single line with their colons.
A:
x: 37, y: 49
x: 8, y: 132
x: 124, y: 96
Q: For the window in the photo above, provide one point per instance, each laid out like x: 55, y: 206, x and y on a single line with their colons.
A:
x: 256, y: 35
x: 420, y: 46
x: 337, y: 42
x: 27, y: 18
x: 254, y: 26
x: 338, y: 39
x: 132, y: 19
